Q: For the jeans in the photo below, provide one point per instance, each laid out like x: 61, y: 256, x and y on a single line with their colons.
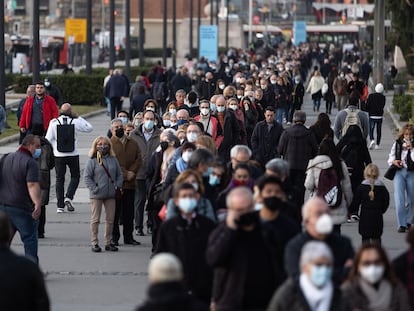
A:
x: 280, y: 112
x: 372, y: 124
x: 316, y: 104
x: 139, y: 203
x: 404, y: 196
x: 60, y: 166
x: 22, y: 221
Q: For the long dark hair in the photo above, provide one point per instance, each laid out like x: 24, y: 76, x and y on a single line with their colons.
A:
x: 327, y: 147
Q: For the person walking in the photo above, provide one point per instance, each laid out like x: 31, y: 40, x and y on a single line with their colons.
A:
x: 315, y: 89
x: 66, y: 153
x: 102, y: 176
x: 375, y: 107
x: 116, y: 89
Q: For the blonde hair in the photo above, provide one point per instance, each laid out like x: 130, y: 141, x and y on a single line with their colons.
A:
x: 407, y: 127
x: 371, y: 172
x: 94, y: 150
x: 207, y: 142
x: 187, y: 173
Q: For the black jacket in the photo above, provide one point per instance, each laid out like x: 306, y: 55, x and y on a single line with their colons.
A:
x: 170, y: 296
x: 189, y: 242
x: 297, y: 145
x: 264, y: 142
x: 231, y: 135
x: 375, y: 105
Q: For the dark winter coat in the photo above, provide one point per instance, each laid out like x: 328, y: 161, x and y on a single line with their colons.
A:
x: 231, y: 135
x: 188, y: 241
x: 403, y: 267
x: 46, y: 163
x: 371, y: 221
x: 375, y: 105
x: 264, y: 142
x: 297, y: 99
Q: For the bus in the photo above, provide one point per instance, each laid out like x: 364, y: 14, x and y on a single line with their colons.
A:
x: 337, y: 34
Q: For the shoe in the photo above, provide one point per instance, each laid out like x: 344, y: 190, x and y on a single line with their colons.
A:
x: 149, y: 230
x: 115, y: 243
x: 40, y: 235
x: 289, y: 123
x: 69, y: 206
x: 60, y: 210
x: 402, y: 229
x: 377, y: 147
x: 131, y: 242
x: 371, y: 145
x: 96, y: 249
x: 408, y: 226
x: 140, y: 232
x: 111, y: 248
x: 355, y: 218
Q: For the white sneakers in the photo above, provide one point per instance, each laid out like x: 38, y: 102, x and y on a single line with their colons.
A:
x: 60, y: 210
x: 377, y: 147
x: 371, y: 144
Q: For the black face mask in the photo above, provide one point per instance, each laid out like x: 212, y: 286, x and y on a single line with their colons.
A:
x: 273, y: 203
x: 119, y: 132
x: 164, y: 145
x: 246, y: 219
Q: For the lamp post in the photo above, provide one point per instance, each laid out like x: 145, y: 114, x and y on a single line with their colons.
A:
x: 191, y: 28
x: 89, y: 37
x: 141, y: 32
x: 2, y: 73
x: 35, y: 43
x: 250, y: 22
x: 227, y: 24
x: 127, y: 39
x: 174, y: 34
x: 198, y: 24
x: 164, y: 34
x: 111, y: 34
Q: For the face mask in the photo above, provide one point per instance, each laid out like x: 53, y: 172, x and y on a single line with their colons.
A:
x: 119, y: 132
x: 150, y: 108
x: 213, y: 180
x: 181, y: 122
x: 205, y: 111
x: 258, y: 206
x: 124, y: 120
x: 239, y: 96
x: 192, y: 137
x: 208, y: 172
x: 137, y: 123
x: 273, y: 81
x: 187, y: 205
x: 164, y: 145
x: 237, y: 80
x: 342, y: 75
x: 166, y: 123
x: 324, y: 224
x: 251, y: 99
x: 103, y: 149
x: 186, y: 155
x: 47, y: 84
x: 246, y: 219
x: 149, y: 124
x: 173, y: 111
x: 220, y: 109
x: 195, y: 186
x: 239, y: 183
x: 37, y: 153
x: 234, y: 107
x: 222, y: 86
x: 227, y: 70
x: 273, y: 203
x: 212, y: 107
x: 372, y: 273
x: 320, y: 275
x: 297, y: 81
x: 263, y: 87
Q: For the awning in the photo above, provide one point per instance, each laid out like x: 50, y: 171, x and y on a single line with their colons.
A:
x: 339, y: 7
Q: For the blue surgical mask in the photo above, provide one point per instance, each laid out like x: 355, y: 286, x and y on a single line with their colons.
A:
x: 37, y: 153
x: 213, y: 107
x: 213, y: 180
x: 124, y: 120
x: 320, y: 275
x: 209, y: 171
x: 149, y: 124
x: 220, y: 109
x: 187, y: 205
x: 166, y: 123
x: 181, y: 122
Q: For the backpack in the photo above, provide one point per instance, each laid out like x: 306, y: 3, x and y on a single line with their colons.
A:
x: 65, y: 136
x: 351, y: 118
x: 329, y: 187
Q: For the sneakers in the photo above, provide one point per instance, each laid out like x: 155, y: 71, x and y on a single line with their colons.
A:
x: 96, y: 248
x: 402, y: 229
x: 371, y: 144
x: 353, y: 218
x: 69, y: 206
x: 60, y: 210
x: 377, y: 147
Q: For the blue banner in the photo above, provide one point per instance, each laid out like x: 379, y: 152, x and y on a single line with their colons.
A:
x: 299, y: 32
x: 208, y: 42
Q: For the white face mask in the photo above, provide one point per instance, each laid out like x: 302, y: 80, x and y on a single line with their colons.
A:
x: 173, y: 111
x: 221, y: 86
x: 186, y: 155
x: 273, y: 81
x: 205, y: 111
x: 234, y: 107
x: 192, y: 137
x: 372, y: 273
x: 324, y: 224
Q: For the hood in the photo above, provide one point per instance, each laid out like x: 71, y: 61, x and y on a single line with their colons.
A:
x: 320, y: 161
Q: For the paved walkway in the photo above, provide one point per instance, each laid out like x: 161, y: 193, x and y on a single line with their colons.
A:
x: 81, y: 280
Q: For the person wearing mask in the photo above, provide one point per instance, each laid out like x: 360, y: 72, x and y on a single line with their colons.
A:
x: 166, y: 287
x: 315, y: 89
x: 313, y: 289
x: 318, y: 226
x: 280, y: 90
x: 298, y: 91
x: 183, y: 117
x: 339, y: 86
x: 137, y: 102
x: 220, y: 85
x: 372, y: 285
x: 129, y: 158
x: 265, y: 138
x: 31, y: 91
x: 53, y: 91
x: 375, y: 107
x: 186, y: 236
x: 102, y: 176
x: 192, y: 104
x: 148, y: 138
x: 268, y: 94
x: 233, y: 104
x: 208, y: 86
x: 250, y: 115
x: 116, y: 89
x: 245, y: 274
x: 210, y: 123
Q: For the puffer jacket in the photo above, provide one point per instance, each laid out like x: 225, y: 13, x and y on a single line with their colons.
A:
x: 315, y: 166
x: 97, y: 180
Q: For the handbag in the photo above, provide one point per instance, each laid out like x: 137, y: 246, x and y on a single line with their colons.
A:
x: 118, y: 190
x: 390, y: 173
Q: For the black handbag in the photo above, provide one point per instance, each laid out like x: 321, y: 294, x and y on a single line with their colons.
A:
x: 390, y: 173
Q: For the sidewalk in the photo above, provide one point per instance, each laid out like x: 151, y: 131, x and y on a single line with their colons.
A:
x: 78, y: 279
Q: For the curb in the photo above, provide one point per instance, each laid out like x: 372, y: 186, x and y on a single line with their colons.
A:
x: 15, y: 137
x: 397, y: 123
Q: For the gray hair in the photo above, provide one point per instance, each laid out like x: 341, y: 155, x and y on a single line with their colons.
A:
x: 171, y: 136
x: 299, y: 116
x: 240, y: 148
x: 314, y: 250
x: 165, y: 267
x: 200, y: 156
x: 278, y: 166
x: 116, y: 120
x: 309, y: 204
x: 239, y: 192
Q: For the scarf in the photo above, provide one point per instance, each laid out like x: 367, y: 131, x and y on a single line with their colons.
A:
x: 378, y: 299
x: 318, y: 299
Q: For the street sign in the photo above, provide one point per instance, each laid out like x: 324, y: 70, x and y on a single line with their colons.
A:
x: 75, y: 27
x: 208, y: 42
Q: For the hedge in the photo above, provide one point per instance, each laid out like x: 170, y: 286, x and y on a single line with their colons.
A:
x: 403, y: 105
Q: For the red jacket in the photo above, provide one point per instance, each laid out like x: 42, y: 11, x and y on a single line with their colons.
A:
x: 49, y: 108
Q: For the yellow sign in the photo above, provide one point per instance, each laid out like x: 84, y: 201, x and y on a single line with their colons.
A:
x: 76, y: 29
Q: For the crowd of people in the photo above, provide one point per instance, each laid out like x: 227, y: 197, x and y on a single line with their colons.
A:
x: 219, y: 159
